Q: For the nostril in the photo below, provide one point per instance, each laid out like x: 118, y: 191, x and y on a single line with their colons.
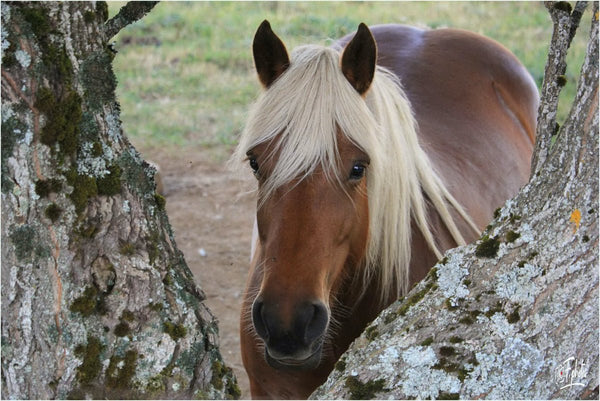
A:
x: 258, y: 319
x: 317, y: 324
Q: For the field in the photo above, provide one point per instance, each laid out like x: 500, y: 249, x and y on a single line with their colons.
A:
x: 185, y: 82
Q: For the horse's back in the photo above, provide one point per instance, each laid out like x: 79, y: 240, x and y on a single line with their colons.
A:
x: 476, y: 107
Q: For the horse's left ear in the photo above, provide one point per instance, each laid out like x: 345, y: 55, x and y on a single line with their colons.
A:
x: 359, y: 59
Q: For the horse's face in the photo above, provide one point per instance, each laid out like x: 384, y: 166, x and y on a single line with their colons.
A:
x: 310, y: 229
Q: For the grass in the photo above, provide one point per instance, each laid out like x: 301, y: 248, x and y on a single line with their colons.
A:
x: 186, y: 74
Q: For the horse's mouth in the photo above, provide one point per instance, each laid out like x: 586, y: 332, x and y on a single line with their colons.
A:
x: 288, y: 363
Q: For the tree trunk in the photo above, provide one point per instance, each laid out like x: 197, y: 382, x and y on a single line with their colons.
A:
x: 514, y: 315
x: 97, y: 301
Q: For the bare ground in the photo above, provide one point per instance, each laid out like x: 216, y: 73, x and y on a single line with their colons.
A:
x: 211, y: 211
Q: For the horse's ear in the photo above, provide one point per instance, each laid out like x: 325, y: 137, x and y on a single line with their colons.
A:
x: 359, y: 59
x: 270, y: 56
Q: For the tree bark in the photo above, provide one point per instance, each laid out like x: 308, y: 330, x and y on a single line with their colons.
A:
x: 97, y: 301
x: 514, y: 315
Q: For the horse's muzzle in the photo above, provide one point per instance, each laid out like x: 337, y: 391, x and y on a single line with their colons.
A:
x: 296, y: 345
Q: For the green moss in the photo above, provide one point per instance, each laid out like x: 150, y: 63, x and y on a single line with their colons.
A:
x: 127, y: 316
x: 8, y: 59
x: 23, y: 239
x: 63, y: 117
x: 448, y: 396
x: 390, y: 317
x: 156, y: 306
x: 514, y: 317
x: 563, y: 6
x: 98, y: 79
x: 111, y: 183
x: 492, y: 311
x: 414, y: 299
x: 127, y: 249
x: 449, y: 305
x: 432, y: 275
x: 88, y: 231
x: 521, y: 263
x: 447, y: 351
x: 233, y: 390
x: 487, y: 247
x: 455, y: 340
x: 585, y: 238
x: 58, y: 67
x: 122, y: 329
x: 513, y: 218
x: 152, y: 246
x: 84, y: 187
x: 86, y: 303
x: 340, y: 365
x: 444, y: 260
x: 102, y: 10
x: 91, y: 366
x: 364, y: 391
x: 217, y: 374
x: 176, y: 331
x: 45, y: 187
x: 371, y: 332
x: 428, y: 341
x: 497, y: 212
x: 121, y: 370
x: 97, y: 149
x: 512, y: 236
x: 160, y: 200
x: 38, y: 21
x: 467, y: 282
x: 468, y: 320
x: 90, y: 302
x: 89, y: 16
x: 53, y: 212
x: 168, y: 280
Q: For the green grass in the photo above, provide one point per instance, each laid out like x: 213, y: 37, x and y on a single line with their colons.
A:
x: 186, y: 74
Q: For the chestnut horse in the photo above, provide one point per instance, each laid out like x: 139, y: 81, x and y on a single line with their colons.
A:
x: 372, y: 158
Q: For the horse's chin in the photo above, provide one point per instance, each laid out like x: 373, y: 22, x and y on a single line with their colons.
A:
x: 292, y: 364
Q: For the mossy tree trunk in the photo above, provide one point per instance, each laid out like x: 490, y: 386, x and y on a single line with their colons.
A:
x: 97, y: 301
x: 514, y: 315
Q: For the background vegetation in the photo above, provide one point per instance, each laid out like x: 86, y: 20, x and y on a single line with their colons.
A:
x: 186, y: 74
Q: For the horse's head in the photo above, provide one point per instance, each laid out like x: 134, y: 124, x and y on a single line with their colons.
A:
x: 313, y: 221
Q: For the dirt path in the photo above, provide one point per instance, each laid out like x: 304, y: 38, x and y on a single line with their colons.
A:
x: 212, y: 212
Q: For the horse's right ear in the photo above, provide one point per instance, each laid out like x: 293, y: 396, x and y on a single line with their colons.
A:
x: 270, y: 56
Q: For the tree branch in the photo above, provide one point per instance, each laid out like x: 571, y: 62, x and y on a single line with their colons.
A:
x: 129, y: 13
x: 565, y: 25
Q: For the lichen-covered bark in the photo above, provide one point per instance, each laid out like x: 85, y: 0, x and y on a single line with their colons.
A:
x: 565, y: 22
x: 97, y: 300
x: 514, y: 315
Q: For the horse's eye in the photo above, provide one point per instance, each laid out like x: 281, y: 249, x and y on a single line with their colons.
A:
x: 358, y: 171
x: 253, y: 165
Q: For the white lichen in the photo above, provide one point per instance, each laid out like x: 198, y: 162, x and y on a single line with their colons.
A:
x: 420, y: 380
x: 23, y: 58
x: 7, y: 112
x: 90, y: 165
x: 451, y: 276
x: 518, y: 285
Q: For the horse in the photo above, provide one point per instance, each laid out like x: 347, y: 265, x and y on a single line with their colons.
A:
x: 373, y: 156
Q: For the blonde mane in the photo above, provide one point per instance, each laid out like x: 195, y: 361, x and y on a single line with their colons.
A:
x: 382, y: 125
